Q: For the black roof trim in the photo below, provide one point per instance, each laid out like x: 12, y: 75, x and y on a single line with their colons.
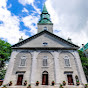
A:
x: 45, y: 48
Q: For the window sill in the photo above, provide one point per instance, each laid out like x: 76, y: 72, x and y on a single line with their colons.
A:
x: 67, y: 67
x: 45, y: 66
x: 22, y: 66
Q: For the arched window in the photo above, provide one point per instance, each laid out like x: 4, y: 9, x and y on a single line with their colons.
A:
x: 23, y: 61
x: 45, y: 28
x: 66, y: 61
x: 45, y: 63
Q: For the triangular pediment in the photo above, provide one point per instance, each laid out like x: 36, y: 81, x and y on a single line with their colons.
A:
x: 45, y: 39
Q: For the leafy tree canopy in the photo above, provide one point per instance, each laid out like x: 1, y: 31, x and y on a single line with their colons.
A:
x: 5, y: 52
x: 84, y: 61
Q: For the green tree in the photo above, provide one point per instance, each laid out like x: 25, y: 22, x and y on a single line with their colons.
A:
x: 2, y: 73
x: 84, y: 61
x: 5, y: 52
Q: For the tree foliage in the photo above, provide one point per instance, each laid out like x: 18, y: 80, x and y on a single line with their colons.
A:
x: 2, y: 73
x: 5, y: 52
x: 84, y: 61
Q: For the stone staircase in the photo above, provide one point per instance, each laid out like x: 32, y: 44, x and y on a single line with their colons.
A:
x: 41, y: 86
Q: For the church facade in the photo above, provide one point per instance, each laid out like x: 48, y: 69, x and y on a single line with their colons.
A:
x: 45, y: 57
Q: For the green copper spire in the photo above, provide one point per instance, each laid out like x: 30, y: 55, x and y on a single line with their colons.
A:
x: 44, y: 9
x: 45, y: 16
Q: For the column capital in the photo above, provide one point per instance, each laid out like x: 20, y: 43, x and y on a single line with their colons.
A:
x: 55, y: 54
x: 35, y: 54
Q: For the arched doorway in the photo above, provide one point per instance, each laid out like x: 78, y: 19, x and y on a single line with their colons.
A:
x: 45, y: 78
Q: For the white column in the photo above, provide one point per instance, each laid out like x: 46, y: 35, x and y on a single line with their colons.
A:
x: 7, y: 78
x: 34, y: 67
x: 80, y: 68
x: 57, y: 67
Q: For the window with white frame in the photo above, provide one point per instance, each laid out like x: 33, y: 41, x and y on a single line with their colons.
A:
x: 66, y: 61
x: 23, y: 61
x: 45, y: 63
x: 45, y: 28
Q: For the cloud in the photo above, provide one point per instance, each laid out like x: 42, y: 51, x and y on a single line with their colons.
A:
x: 9, y: 27
x: 37, y: 10
x: 29, y: 2
x: 9, y: 6
x: 70, y: 18
x: 3, y: 3
x: 25, y: 10
x: 10, y: 24
x: 25, y: 2
x: 31, y: 22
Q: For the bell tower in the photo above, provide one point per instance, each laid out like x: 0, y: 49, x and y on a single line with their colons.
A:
x: 45, y: 22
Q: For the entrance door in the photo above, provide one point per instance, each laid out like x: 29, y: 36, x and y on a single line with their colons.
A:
x: 70, y: 80
x: 20, y: 78
x: 45, y: 79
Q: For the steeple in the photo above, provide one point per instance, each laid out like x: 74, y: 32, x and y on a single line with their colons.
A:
x: 45, y: 22
x: 45, y: 16
x: 44, y: 9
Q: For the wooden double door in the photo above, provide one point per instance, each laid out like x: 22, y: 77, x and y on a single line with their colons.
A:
x: 45, y: 79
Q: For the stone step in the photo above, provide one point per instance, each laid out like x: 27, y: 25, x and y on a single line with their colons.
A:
x: 45, y: 86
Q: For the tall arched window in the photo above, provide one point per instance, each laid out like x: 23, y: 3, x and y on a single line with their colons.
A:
x: 66, y: 61
x: 23, y: 61
x: 45, y: 63
x: 45, y: 28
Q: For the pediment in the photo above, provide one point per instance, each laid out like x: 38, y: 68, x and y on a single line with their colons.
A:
x: 45, y: 39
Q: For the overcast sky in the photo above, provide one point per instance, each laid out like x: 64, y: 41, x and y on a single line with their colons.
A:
x: 19, y: 18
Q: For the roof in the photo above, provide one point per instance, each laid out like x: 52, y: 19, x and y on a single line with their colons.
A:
x: 85, y: 47
x: 42, y: 32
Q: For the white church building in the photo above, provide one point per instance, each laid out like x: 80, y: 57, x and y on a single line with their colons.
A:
x: 45, y: 57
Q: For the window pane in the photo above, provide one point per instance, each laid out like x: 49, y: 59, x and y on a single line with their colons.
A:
x: 23, y: 61
x: 67, y: 62
x: 44, y: 62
